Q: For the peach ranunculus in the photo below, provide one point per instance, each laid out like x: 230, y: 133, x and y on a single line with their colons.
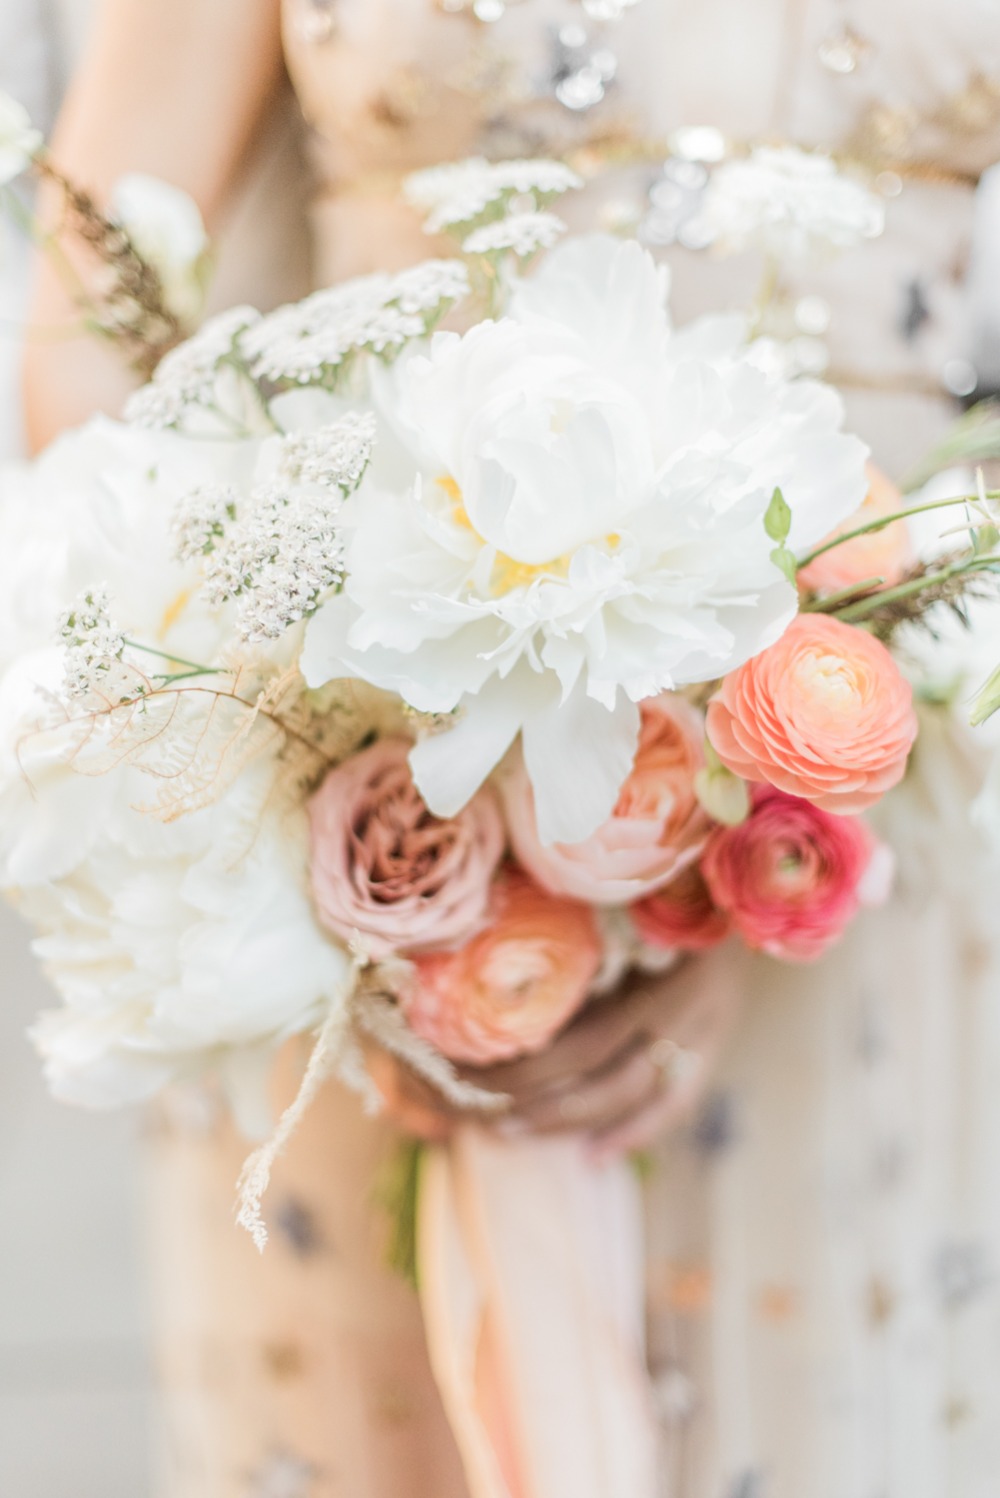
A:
x: 385, y: 870
x: 511, y: 988
x: 824, y: 713
x: 791, y: 876
x: 681, y: 917
x: 656, y: 829
x: 884, y: 554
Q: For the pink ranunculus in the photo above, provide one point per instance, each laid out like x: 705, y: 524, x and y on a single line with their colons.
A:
x: 511, y: 988
x: 656, y: 829
x: 824, y: 713
x: 884, y: 554
x: 682, y: 916
x: 385, y: 870
x: 792, y: 876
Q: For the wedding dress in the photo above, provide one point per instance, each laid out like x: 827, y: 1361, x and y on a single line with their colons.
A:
x: 824, y: 1242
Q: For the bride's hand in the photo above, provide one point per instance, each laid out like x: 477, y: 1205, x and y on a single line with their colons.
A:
x: 630, y: 1067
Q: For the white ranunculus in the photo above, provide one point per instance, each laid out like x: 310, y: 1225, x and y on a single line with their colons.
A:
x: 181, y: 947
x: 573, y: 520
x: 791, y: 203
x: 167, y: 229
x: 19, y: 140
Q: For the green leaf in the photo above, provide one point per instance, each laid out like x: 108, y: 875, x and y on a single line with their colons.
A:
x: 786, y: 563
x: 778, y: 517
x: 987, y: 700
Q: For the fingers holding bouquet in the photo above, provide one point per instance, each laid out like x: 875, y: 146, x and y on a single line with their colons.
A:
x: 634, y: 1064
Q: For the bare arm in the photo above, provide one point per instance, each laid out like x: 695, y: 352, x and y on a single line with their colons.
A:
x: 175, y: 88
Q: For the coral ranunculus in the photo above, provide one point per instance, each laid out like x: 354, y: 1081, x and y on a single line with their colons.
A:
x: 791, y: 876
x: 656, y: 829
x: 385, y: 870
x: 511, y: 988
x: 884, y: 554
x: 825, y: 714
x: 683, y: 917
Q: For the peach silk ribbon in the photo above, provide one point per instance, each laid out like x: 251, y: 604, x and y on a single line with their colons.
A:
x: 532, y: 1284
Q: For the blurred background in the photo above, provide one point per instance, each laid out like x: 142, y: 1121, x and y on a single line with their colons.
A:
x: 74, y: 1370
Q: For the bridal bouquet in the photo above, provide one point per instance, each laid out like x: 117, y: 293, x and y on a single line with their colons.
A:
x: 413, y: 685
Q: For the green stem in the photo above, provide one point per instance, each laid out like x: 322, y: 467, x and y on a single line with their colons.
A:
x: 880, y: 524
x: 196, y: 668
x: 833, y: 601
x: 860, y: 610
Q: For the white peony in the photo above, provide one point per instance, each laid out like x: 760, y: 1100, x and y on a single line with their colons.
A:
x: 183, y: 947
x: 791, y: 203
x: 175, y: 946
x: 574, y: 521
x: 166, y: 228
x: 19, y: 140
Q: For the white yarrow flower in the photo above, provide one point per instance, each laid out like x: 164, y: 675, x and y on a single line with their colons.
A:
x: 94, y: 646
x: 186, y: 379
x: 523, y: 234
x: 19, y: 140
x: 791, y: 203
x: 309, y: 342
x: 460, y: 192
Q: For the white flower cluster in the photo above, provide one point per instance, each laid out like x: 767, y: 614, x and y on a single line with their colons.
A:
x: 309, y: 342
x: 186, y: 378
x: 463, y: 191
x: 19, y: 140
x: 334, y: 457
x: 791, y: 203
x: 523, y: 234
x: 279, y: 552
x: 277, y: 562
x: 200, y: 518
x: 94, y: 647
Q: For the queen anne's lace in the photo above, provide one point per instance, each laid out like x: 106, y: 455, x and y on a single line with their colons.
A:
x: 186, y: 377
x: 310, y: 341
x: 462, y: 192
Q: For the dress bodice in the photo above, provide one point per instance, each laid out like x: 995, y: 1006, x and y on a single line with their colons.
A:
x: 910, y: 91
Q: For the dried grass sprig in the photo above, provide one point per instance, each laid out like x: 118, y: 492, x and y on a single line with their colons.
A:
x: 132, y: 310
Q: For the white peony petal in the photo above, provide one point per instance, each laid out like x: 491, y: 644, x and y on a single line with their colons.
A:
x: 449, y: 767
x: 578, y: 754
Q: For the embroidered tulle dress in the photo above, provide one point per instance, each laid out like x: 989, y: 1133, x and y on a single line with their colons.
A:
x: 824, y: 1242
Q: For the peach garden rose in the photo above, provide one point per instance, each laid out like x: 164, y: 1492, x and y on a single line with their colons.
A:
x: 511, y: 988
x: 656, y: 829
x: 791, y: 876
x: 825, y: 713
x: 385, y: 870
x: 884, y: 554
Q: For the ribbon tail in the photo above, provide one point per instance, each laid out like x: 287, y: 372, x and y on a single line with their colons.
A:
x: 532, y: 1282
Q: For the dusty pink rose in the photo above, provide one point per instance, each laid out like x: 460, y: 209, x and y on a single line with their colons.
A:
x: 791, y: 876
x: 885, y: 554
x: 656, y: 829
x: 824, y: 713
x: 682, y: 916
x: 383, y: 868
x: 511, y: 988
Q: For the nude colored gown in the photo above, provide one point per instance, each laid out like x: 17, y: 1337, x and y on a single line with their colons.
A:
x: 824, y: 1243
